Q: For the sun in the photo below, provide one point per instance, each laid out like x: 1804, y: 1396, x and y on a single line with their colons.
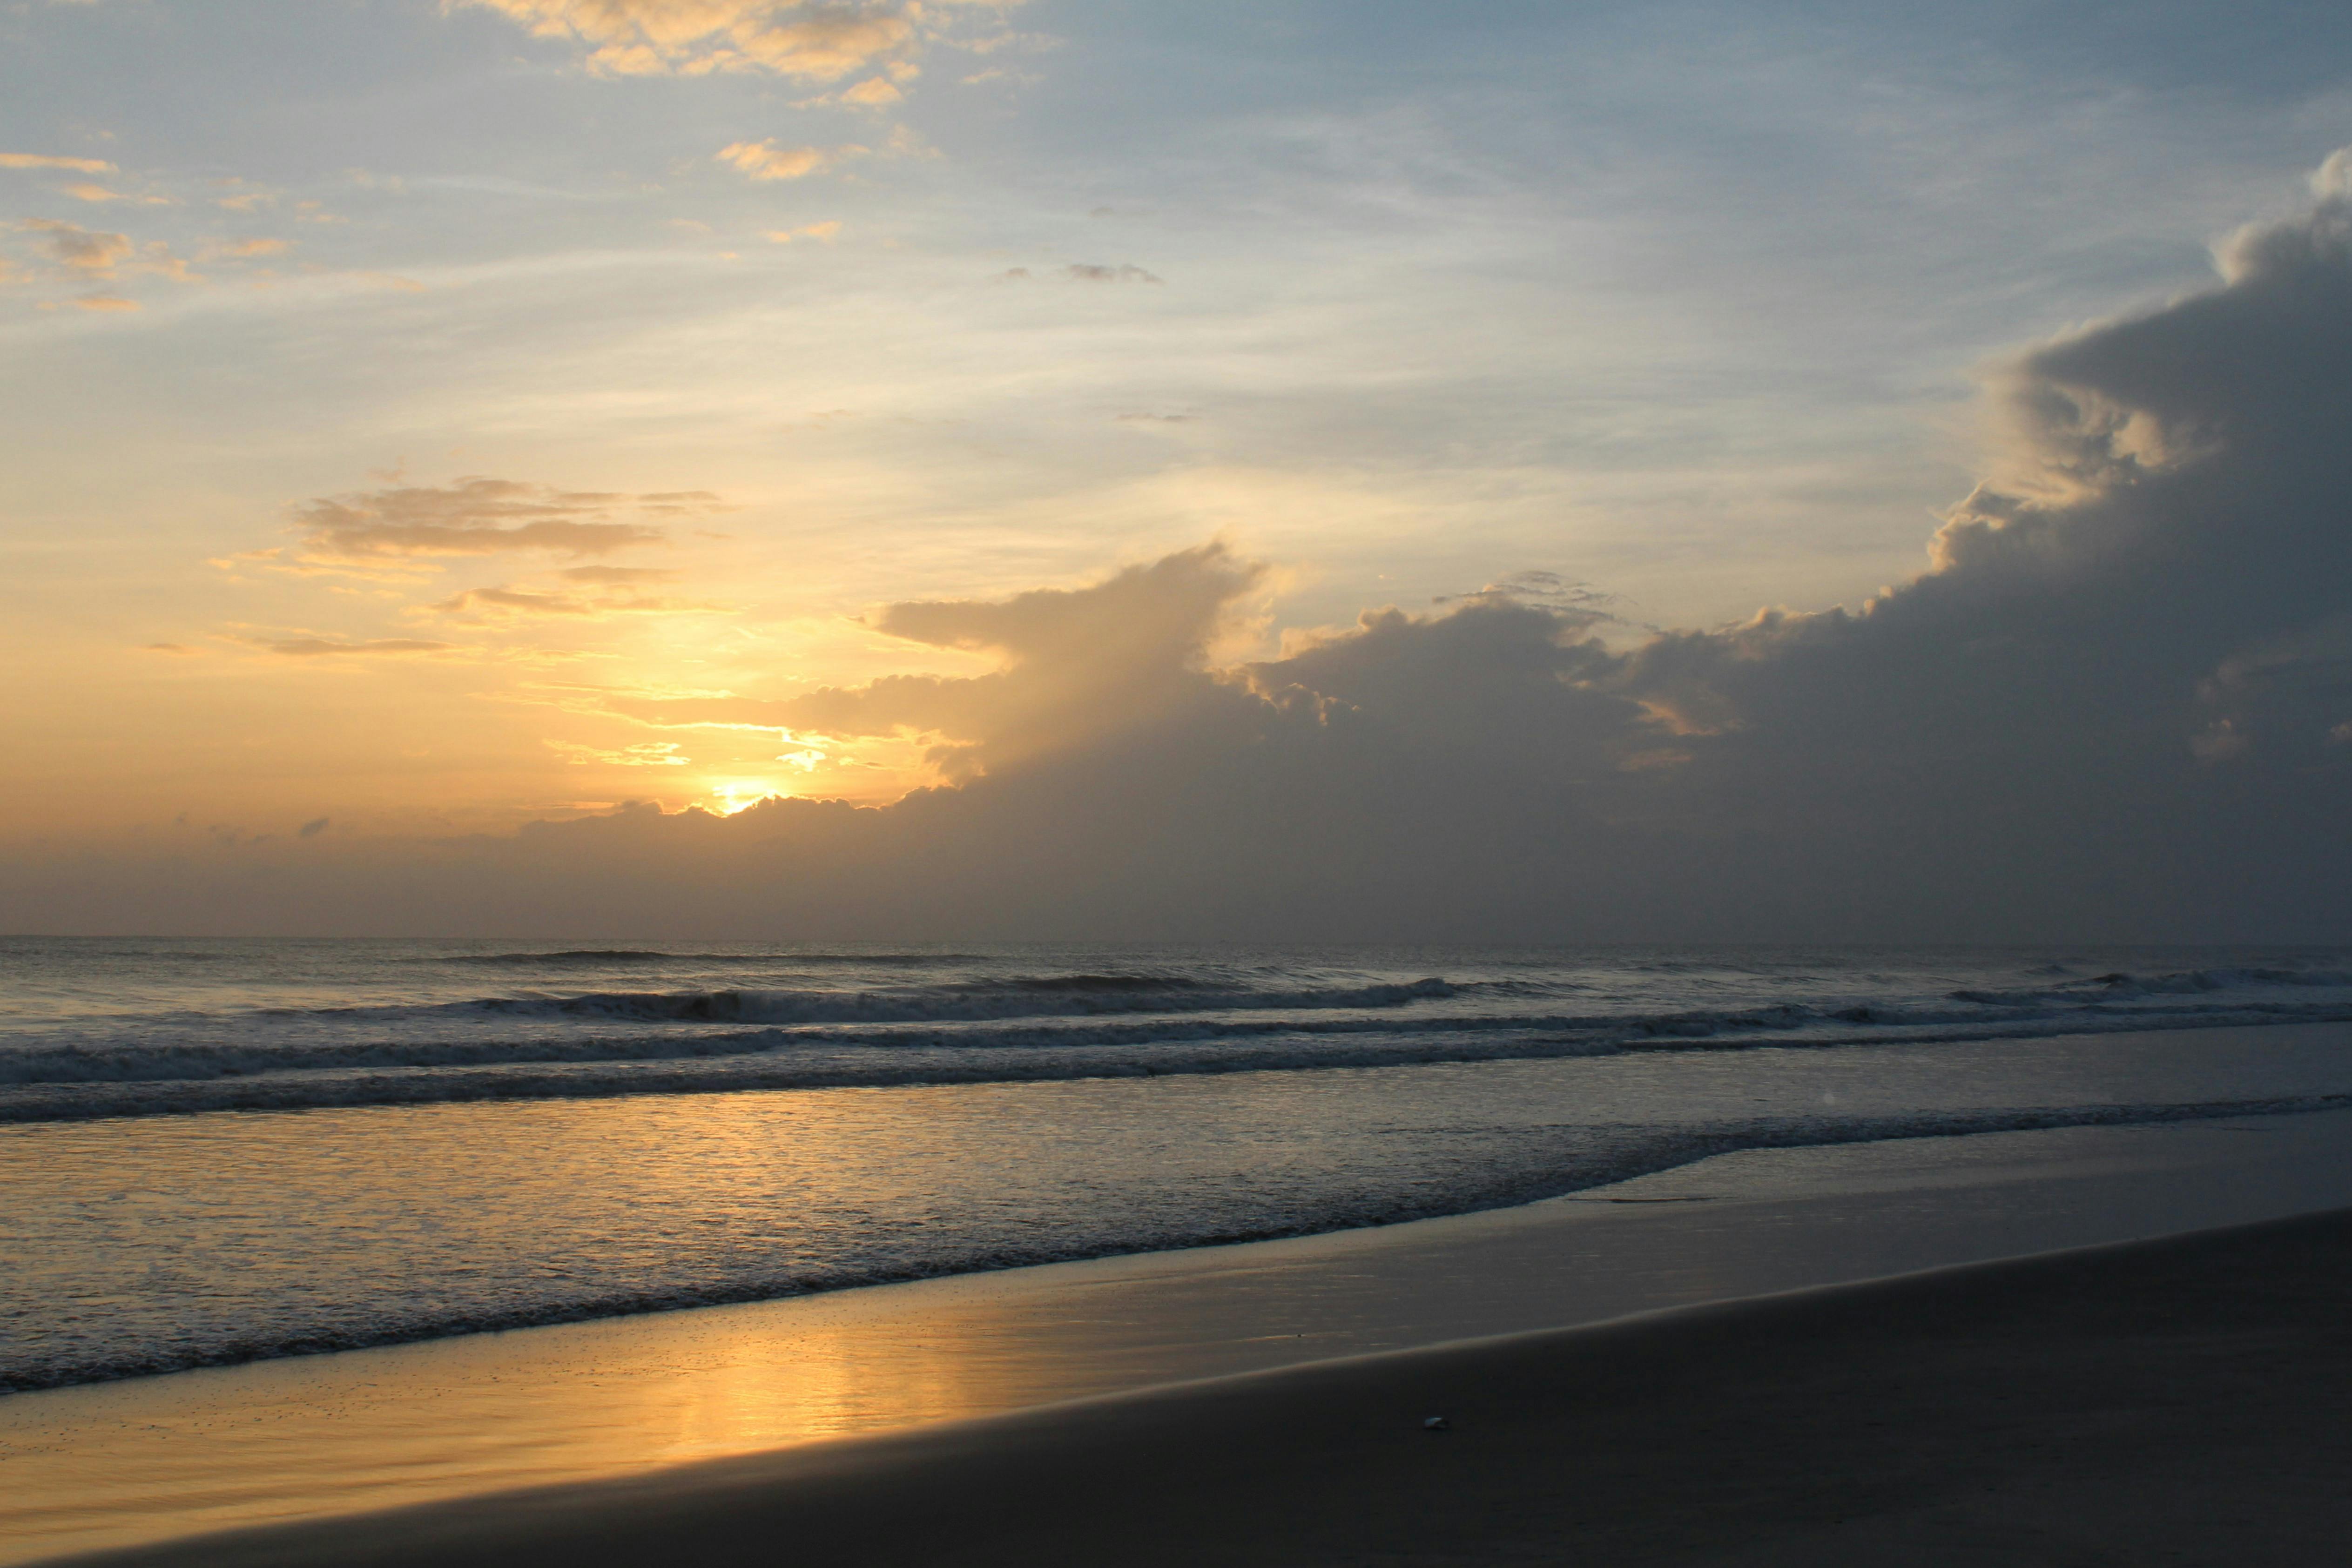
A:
x: 734, y: 795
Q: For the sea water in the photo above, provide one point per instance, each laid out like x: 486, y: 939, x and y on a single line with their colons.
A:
x: 216, y: 1151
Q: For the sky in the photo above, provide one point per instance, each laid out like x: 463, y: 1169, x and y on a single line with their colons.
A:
x: 937, y: 469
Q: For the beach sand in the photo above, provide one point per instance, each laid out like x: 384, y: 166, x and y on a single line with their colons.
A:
x: 162, y: 1456
x: 2187, y: 1400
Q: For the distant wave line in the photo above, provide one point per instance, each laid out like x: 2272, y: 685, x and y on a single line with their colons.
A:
x: 592, y: 955
x: 351, y: 1076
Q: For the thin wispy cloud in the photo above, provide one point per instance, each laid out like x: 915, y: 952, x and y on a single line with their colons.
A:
x: 766, y: 161
x: 245, y: 249
x: 874, y: 92
x: 822, y: 42
x: 101, y: 193
x: 619, y: 576
x: 50, y: 160
x: 1082, y: 272
x: 341, y: 647
x: 502, y: 603
x: 479, y: 516
x: 645, y: 754
x: 1095, y: 272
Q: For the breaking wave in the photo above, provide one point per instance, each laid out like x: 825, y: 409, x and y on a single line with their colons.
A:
x: 80, y: 1083
x: 1606, y: 1155
x: 1312, y: 1089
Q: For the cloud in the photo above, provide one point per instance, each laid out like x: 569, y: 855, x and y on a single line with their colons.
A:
x: 1545, y: 588
x: 105, y: 302
x: 674, y: 710
x: 93, y: 254
x: 499, y: 601
x: 314, y: 827
x: 645, y: 754
x: 44, y: 161
x: 247, y: 249
x: 331, y: 647
x: 90, y: 193
x: 1083, y: 272
x: 1089, y: 272
x: 766, y: 161
x: 504, y: 603
x: 156, y: 258
x: 88, y: 251
x: 812, y: 41
x: 480, y: 517
x: 2111, y: 707
x: 617, y: 575
x: 874, y: 92
x: 826, y: 232
x: 1079, y: 665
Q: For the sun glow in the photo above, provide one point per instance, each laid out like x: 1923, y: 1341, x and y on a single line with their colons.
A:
x: 739, y: 794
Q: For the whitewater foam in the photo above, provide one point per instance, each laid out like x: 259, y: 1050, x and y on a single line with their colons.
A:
x: 502, y: 1134
x: 361, y: 1323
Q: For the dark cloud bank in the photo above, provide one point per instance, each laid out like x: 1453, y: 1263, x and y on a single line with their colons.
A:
x: 2117, y: 706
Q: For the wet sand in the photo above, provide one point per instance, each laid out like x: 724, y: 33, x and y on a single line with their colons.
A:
x: 2176, y: 1401
x: 165, y: 1457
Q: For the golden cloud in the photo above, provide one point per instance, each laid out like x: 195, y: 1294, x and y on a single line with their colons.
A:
x: 92, y: 254
x: 825, y: 231
x: 502, y: 603
x: 766, y: 161
x: 874, y: 92
x: 88, y: 191
x: 90, y: 251
x: 43, y: 160
x: 608, y: 576
x: 327, y: 647
x: 479, y: 516
x: 645, y: 754
x: 815, y: 42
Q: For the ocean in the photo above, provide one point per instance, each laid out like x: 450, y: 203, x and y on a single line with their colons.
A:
x: 216, y: 1151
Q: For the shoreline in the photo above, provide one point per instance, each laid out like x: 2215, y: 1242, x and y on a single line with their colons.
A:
x: 178, y: 1154
x: 161, y: 1458
x: 2177, y: 1398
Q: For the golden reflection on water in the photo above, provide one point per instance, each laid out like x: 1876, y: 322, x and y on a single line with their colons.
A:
x: 592, y: 1187
x: 82, y: 1468
x: 86, y: 1467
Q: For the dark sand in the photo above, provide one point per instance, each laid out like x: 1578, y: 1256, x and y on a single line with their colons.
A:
x: 2187, y: 1400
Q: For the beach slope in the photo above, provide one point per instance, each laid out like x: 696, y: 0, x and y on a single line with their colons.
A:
x: 2186, y: 1400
